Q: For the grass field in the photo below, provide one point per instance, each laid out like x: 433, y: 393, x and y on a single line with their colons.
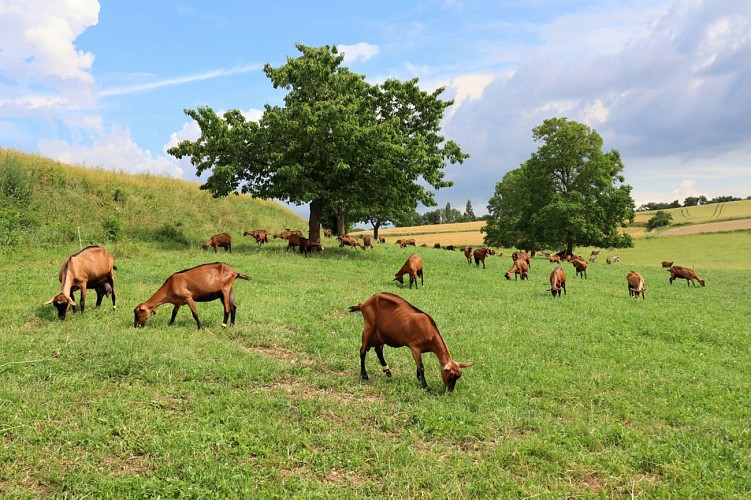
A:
x: 593, y: 394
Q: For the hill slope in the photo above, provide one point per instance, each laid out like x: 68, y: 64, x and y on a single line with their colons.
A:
x: 45, y: 201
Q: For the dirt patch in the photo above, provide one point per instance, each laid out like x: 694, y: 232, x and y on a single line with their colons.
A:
x: 298, y: 390
x: 281, y: 354
x: 710, y: 227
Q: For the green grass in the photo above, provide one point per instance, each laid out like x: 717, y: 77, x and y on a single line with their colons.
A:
x: 593, y: 394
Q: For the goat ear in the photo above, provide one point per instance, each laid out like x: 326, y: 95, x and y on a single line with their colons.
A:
x: 465, y: 365
x: 447, y: 368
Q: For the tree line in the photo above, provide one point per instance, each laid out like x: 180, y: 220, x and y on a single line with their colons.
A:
x: 690, y: 201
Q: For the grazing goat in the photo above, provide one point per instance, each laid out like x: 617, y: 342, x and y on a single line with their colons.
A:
x: 391, y: 320
x: 449, y: 248
x: 367, y: 243
x: 91, y: 268
x: 519, y: 268
x: 479, y: 256
x: 581, y: 267
x: 413, y: 267
x: 667, y: 264
x: 293, y: 241
x: 410, y: 241
x: 222, y: 240
x: 349, y: 241
x: 522, y: 256
x: 202, y: 283
x: 381, y: 239
x: 307, y: 246
x: 680, y: 272
x: 468, y: 254
x: 261, y: 235
x: 635, y: 285
x: 286, y: 233
x: 554, y: 259
x: 328, y: 233
x: 557, y: 282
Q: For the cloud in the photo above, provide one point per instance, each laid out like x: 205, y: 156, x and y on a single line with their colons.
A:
x: 38, y: 55
x: 180, y: 80
x: 358, y: 52
x: 113, y: 149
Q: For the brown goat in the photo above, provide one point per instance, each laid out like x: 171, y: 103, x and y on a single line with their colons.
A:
x: 635, y: 285
x: 581, y: 267
x: 409, y: 241
x: 221, y: 240
x: 367, y: 243
x: 391, y: 320
x: 468, y: 254
x: 680, y: 272
x: 91, y: 268
x: 479, y: 256
x: 351, y: 241
x: 328, y: 233
x: 667, y: 264
x: 202, y: 283
x: 286, y: 233
x: 261, y: 235
x: 307, y: 246
x: 413, y: 267
x: 554, y: 259
x: 294, y: 240
x: 519, y: 268
x: 557, y: 281
x: 381, y: 239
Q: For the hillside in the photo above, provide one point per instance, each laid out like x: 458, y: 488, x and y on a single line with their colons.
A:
x: 45, y: 201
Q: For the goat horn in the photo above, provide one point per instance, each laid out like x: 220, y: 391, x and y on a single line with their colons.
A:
x: 465, y: 365
x: 50, y: 301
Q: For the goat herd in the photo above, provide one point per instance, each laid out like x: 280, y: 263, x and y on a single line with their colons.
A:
x: 389, y: 319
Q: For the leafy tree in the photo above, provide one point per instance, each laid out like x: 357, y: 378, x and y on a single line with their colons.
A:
x: 692, y: 201
x: 723, y: 199
x: 568, y: 193
x: 660, y: 219
x: 432, y: 217
x: 337, y: 142
x: 469, y: 213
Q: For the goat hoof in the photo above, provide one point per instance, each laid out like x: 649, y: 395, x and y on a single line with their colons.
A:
x: 388, y: 373
x: 365, y: 376
x: 224, y: 325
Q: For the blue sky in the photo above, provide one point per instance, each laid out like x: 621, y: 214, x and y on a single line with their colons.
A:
x: 665, y: 82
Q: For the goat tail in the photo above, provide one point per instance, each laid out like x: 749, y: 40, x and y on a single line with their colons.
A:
x: 354, y: 308
x: 243, y: 276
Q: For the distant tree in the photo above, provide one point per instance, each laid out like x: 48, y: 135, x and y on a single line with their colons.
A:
x: 469, y: 212
x: 569, y: 193
x: 660, y: 219
x: 674, y: 204
x: 408, y: 218
x: 450, y: 215
x: 432, y: 217
x: 692, y: 201
x: 723, y: 199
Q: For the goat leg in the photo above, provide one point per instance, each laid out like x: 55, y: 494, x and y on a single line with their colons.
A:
x: 363, y: 373
x: 174, y: 314
x: 384, y: 365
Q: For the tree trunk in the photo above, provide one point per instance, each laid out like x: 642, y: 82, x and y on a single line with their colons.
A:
x: 376, y: 225
x: 314, y: 220
x: 570, y: 247
x: 339, y: 222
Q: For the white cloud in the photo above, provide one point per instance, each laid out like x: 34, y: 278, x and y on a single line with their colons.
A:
x: 114, y: 149
x: 37, y: 52
x: 359, y: 51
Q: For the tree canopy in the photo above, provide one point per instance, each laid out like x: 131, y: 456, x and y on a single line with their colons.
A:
x: 337, y: 142
x: 569, y: 193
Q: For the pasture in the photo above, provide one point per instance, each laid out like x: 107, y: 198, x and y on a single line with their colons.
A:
x: 592, y: 394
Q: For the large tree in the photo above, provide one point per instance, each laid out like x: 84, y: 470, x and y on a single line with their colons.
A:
x: 337, y: 142
x: 569, y: 193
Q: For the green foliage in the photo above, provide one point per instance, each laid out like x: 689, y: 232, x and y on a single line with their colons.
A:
x: 593, y: 395
x: 569, y: 193
x: 660, y: 219
x: 113, y: 228
x: 366, y: 151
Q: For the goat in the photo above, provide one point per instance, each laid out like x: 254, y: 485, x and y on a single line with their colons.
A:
x: 367, y: 243
x: 261, y: 235
x: 581, y: 267
x: 328, y: 233
x: 284, y: 235
x: 222, y: 240
x: 468, y: 254
x: 557, y: 281
x: 519, y: 268
x: 381, y: 239
x: 413, y: 267
x: 667, y: 264
x: 608, y: 260
x: 202, y: 283
x: 307, y: 246
x: 554, y: 259
x: 293, y: 241
x: 635, y: 285
x: 391, y: 320
x: 91, y: 268
x: 680, y: 272
x: 349, y: 241
x: 449, y: 248
x: 523, y: 256
x: 437, y: 245
x: 479, y: 256
x: 410, y: 241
